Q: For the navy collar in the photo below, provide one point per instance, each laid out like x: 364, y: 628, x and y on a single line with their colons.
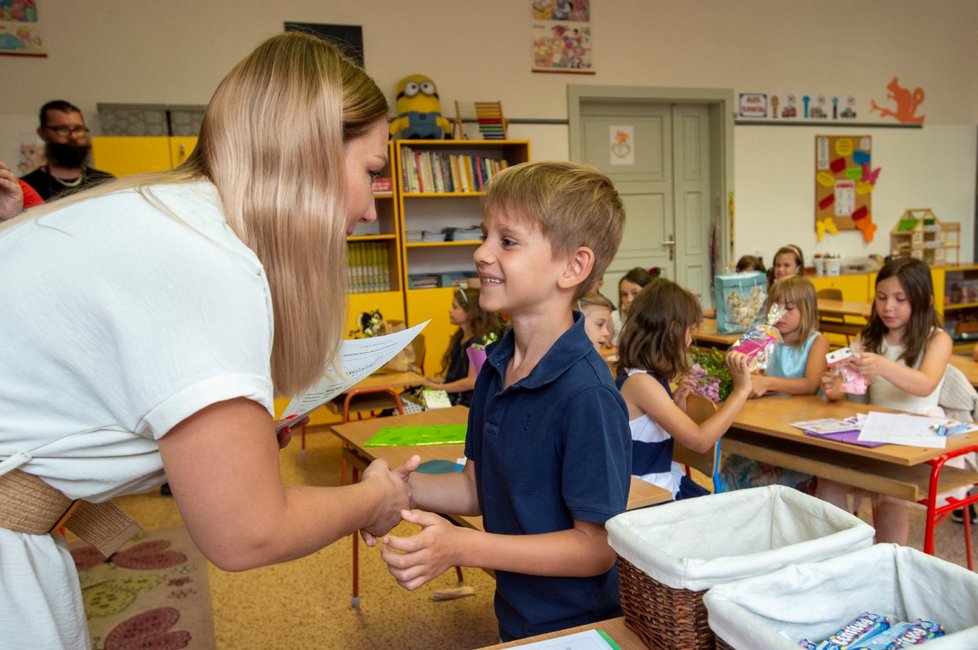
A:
x: 566, y: 350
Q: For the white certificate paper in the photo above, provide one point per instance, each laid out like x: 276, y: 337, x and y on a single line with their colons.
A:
x: 903, y: 429
x: 360, y: 358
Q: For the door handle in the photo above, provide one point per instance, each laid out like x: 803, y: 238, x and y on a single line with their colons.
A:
x: 671, y: 243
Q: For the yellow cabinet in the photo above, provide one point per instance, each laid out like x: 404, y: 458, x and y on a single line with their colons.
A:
x: 180, y: 148
x: 127, y: 155
x: 855, y: 287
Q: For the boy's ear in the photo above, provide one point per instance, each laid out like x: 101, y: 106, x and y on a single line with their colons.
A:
x: 578, y: 268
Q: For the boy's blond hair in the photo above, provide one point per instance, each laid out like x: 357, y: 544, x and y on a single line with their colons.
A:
x: 573, y: 204
x: 801, y: 292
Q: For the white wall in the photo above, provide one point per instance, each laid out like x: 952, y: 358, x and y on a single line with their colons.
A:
x: 175, y: 52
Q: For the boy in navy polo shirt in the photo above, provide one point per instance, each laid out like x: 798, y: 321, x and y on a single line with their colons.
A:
x: 548, y: 442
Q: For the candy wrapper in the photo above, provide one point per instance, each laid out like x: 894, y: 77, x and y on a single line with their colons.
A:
x: 757, y: 342
x: 840, y: 362
x: 860, y: 629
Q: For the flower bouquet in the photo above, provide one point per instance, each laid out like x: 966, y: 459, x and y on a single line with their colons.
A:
x: 710, y: 375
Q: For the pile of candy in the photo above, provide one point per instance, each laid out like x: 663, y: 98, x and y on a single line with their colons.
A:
x: 875, y: 632
x: 757, y: 342
x: 840, y: 362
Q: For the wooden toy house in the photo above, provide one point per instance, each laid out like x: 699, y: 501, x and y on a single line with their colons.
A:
x: 919, y: 233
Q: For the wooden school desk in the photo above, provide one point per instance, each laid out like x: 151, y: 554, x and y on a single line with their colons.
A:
x: 355, y: 434
x: 614, y: 627
x: 706, y: 335
x: 762, y: 431
x: 968, y: 366
x: 842, y: 308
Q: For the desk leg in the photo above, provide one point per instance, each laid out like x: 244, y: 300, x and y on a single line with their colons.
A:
x: 355, y: 600
x: 937, y: 514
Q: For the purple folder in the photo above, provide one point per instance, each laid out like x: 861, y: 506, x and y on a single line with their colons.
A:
x: 851, y: 437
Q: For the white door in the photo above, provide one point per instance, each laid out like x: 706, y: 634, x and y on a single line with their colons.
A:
x: 658, y: 155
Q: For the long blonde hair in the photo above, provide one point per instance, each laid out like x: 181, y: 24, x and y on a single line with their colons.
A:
x: 272, y: 142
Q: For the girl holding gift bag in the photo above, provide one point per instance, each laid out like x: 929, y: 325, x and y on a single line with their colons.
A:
x: 903, y: 355
x: 653, y: 350
x: 475, y: 326
x: 794, y: 366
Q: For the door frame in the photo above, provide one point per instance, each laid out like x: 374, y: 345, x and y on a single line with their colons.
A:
x: 720, y: 102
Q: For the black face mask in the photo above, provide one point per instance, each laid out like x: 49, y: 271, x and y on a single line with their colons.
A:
x: 67, y: 155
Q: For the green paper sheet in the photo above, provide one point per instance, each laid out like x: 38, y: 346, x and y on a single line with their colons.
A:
x: 437, y: 434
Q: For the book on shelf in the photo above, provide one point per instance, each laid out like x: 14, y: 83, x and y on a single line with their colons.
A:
x: 367, y: 269
x: 437, y: 171
x: 382, y: 184
x: 423, y: 281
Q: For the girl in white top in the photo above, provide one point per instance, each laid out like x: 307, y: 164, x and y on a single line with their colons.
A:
x: 147, y: 324
x: 904, y: 354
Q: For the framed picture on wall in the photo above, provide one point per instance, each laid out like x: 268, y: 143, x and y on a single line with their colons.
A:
x: 349, y: 38
x: 561, y: 33
x: 20, y: 28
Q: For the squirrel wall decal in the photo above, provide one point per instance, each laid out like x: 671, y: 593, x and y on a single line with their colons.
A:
x: 906, y: 103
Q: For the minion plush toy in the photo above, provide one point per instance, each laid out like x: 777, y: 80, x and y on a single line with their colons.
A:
x: 418, y: 111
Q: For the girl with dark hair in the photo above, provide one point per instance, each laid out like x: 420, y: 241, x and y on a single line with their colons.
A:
x: 653, y: 350
x: 904, y: 353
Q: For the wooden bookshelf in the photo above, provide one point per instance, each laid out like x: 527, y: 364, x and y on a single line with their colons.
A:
x: 432, y: 196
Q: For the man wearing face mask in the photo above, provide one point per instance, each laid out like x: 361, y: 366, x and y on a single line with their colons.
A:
x: 66, y: 149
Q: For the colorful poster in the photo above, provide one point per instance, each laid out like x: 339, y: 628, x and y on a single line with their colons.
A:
x: 844, y: 182
x: 561, y: 33
x: 20, y: 31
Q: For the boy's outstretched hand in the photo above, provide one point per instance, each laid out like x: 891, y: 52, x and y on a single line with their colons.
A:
x: 415, y: 560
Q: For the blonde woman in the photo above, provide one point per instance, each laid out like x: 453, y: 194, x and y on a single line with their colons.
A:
x: 148, y: 322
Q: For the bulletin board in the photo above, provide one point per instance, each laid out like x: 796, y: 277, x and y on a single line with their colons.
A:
x: 844, y: 181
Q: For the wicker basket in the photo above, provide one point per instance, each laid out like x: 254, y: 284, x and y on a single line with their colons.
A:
x: 811, y: 600
x: 723, y: 645
x: 671, y: 554
x: 641, y: 596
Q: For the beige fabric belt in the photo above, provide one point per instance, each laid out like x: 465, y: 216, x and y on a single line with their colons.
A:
x: 29, y: 505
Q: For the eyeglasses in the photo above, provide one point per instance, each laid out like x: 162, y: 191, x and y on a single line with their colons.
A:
x: 64, y: 130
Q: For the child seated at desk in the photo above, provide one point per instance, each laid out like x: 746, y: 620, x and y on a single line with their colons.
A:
x: 474, y: 325
x: 749, y: 263
x: 597, y: 319
x: 628, y: 287
x: 653, y: 349
x: 904, y: 354
x: 788, y: 261
x: 795, y: 367
x: 547, y: 440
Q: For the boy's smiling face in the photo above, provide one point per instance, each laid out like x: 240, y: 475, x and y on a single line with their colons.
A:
x: 516, y: 267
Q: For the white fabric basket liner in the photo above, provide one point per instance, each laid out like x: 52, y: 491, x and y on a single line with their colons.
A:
x: 813, y: 600
x: 697, y: 543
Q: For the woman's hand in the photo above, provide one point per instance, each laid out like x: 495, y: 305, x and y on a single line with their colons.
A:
x: 284, y: 433
x: 397, y: 493
x: 739, y: 372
